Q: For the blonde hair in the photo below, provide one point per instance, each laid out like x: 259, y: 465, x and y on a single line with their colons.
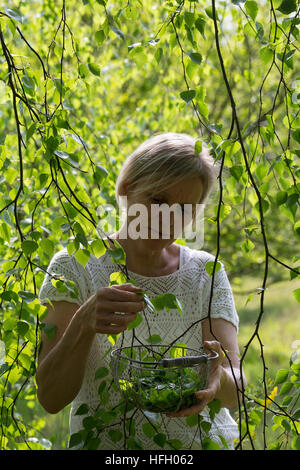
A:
x: 164, y: 160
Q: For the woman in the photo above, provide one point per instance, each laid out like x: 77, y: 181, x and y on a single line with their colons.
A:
x: 163, y: 169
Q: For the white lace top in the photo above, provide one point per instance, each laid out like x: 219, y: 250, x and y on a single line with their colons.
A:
x: 191, y: 284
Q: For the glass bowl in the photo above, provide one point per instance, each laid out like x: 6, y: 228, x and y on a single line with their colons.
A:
x: 160, y: 378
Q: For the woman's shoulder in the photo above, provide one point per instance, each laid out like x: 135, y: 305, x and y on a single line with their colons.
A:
x: 61, y: 257
x: 77, y: 261
x: 83, y: 261
x: 65, y: 268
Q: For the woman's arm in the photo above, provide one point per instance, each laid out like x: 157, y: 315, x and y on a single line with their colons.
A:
x: 62, y: 360
x: 223, y: 332
x: 224, y: 378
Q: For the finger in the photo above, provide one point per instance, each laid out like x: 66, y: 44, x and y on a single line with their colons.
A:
x: 110, y: 329
x: 192, y: 410
x: 206, y: 395
x: 125, y: 285
x: 123, y: 319
x: 117, y: 319
x: 128, y: 287
x: 115, y: 293
x: 122, y: 307
x: 214, y: 346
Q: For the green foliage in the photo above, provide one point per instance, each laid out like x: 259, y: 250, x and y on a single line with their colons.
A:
x: 281, y: 404
x: 78, y: 94
x: 163, y: 391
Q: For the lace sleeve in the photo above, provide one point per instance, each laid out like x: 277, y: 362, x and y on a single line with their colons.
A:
x: 222, y: 303
x: 66, y: 279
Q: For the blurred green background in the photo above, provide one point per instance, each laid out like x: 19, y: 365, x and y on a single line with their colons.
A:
x: 118, y: 72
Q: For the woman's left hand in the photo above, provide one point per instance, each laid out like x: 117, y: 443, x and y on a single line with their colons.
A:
x: 213, y: 385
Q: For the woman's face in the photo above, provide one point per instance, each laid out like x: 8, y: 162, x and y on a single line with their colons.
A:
x: 153, y: 217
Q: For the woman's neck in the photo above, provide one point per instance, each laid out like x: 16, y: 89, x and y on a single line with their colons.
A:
x: 149, y: 257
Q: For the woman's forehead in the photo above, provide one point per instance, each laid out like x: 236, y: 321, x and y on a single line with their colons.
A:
x: 187, y: 191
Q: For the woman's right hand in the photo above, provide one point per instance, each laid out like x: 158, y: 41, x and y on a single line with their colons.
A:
x: 66, y: 354
x: 111, y: 309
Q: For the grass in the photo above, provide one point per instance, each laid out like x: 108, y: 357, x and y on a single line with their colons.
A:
x: 279, y: 326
